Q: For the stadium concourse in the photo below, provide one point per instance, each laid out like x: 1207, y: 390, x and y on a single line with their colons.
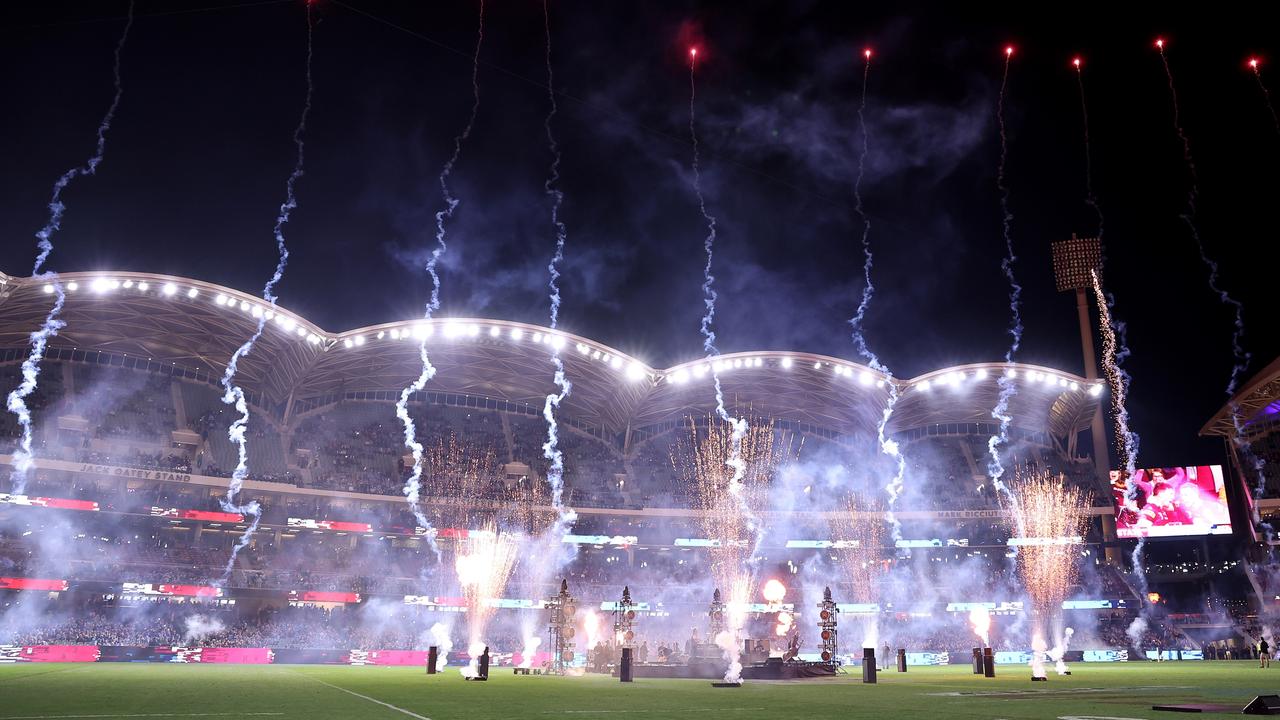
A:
x: 118, y: 541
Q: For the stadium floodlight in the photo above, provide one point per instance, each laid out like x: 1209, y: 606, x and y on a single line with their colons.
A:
x: 1075, y: 385
x: 616, y: 362
x: 256, y: 311
x: 635, y: 371
x: 346, y: 343
x: 48, y: 289
x: 359, y: 340
x: 1095, y: 389
x: 143, y: 286
x: 680, y: 376
x: 128, y: 283
x: 169, y: 289
x: 582, y: 348
x: 451, y: 329
x: 817, y: 366
x: 737, y: 363
x: 192, y: 293
x: 516, y: 333
x: 302, y: 332
x: 73, y: 286
x: 395, y: 333
x: 925, y: 385
x: 382, y: 334
x: 289, y: 323
x: 537, y: 337
x: 1011, y: 373
x: 980, y: 374
x: 758, y: 362
x: 220, y: 299
x: 865, y: 377
x: 494, y: 331
x: 474, y: 331
x: 1075, y: 263
x: 786, y: 363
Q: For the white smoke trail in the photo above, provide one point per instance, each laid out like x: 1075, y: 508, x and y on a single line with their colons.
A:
x: 531, y: 644
x: 1240, y: 356
x: 24, y: 455
x: 887, y: 446
x: 550, y: 449
x: 1059, y: 651
x: 1008, y: 388
x: 233, y: 394
x: 413, y: 485
x: 444, y: 644
x: 739, y: 425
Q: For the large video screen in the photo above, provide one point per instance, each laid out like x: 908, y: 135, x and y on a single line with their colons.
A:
x: 1172, y: 502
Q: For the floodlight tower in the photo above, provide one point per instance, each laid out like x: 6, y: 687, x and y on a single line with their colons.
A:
x: 1073, y: 261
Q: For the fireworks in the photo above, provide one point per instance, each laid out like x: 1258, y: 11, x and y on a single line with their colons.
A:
x: 1050, y: 511
x: 980, y: 619
x: 859, y: 532
x: 483, y: 561
x: 462, y: 472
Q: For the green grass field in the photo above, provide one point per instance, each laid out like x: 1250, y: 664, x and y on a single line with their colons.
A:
x: 309, y: 692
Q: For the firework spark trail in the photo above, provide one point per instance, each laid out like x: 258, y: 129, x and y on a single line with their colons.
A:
x: 1090, y: 198
x: 484, y: 563
x: 233, y: 394
x: 413, y: 484
x: 550, y: 449
x: 739, y: 425
x: 1008, y: 388
x: 1241, y: 357
x: 23, y: 455
x: 1266, y: 94
x: 887, y: 446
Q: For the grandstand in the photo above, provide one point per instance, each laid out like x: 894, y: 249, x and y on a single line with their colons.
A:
x: 132, y: 452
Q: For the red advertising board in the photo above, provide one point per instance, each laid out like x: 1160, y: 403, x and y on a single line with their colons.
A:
x: 131, y: 588
x: 322, y: 596
x: 206, y: 515
x: 334, y: 525
x: 59, y: 653
x: 10, y: 583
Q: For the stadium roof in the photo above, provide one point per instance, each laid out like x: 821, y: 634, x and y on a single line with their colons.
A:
x: 195, y: 327
x: 1259, y: 397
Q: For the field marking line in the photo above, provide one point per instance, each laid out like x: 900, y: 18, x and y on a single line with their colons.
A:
x: 685, y: 710
x: 138, y: 715
x: 410, y: 713
x: 141, y: 715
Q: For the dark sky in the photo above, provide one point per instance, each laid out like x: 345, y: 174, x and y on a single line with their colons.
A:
x: 197, y: 159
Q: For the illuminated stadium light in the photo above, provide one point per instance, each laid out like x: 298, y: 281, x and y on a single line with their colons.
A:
x: 737, y: 363
x: 256, y: 311
x: 100, y: 285
x: 143, y: 286
x: 537, y: 337
x: 48, y: 289
x: 422, y: 330
x: 395, y: 333
x: 302, y: 332
x: 635, y: 371
x: 980, y: 374
x: 381, y: 334
x: 347, y: 343
x: 359, y: 340
x: 865, y: 377
x: 582, y: 348
x: 757, y: 362
x: 925, y: 385
x: 269, y: 314
x: 128, y: 284
x: 289, y: 323
x: 1011, y: 373
x: 1096, y: 389
x: 221, y: 299
x: 817, y: 366
x: 244, y: 305
x: 452, y: 329
x: 786, y: 363
x: 474, y: 331
x: 1075, y: 385
x: 516, y: 333
x: 701, y: 370
x: 681, y: 376
x: 718, y: 366
x: 494, y: 331
x: 169, y: 289
x: 616, y: 363
x: 313, y: 339
x: 1062, y: 382
x: 557, y: 342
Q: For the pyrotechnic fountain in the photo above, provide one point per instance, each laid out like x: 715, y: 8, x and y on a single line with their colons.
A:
x: 484, y: 561
x: 859, y: 532
x: 1051, y: 514
x: 980, y: 619
x: 725, y: 493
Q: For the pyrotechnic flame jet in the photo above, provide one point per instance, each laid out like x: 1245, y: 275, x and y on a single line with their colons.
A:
x: 24, y: 455
x: 550, y: 448
x: 233, y: 394
x: 413, y: 484
x: 1008, y: 388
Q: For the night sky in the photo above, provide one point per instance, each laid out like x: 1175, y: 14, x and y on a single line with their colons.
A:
x: 197, y: 159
